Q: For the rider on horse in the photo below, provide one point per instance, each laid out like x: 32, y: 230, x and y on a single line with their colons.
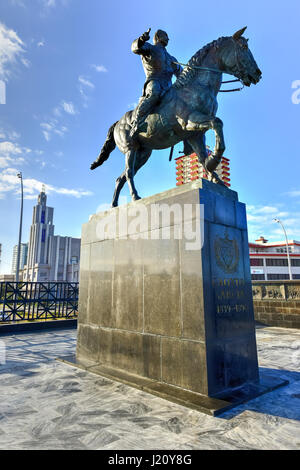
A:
x: 159, y: 67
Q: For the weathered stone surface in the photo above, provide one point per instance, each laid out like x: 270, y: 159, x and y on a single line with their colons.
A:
x: 162, y: 305
x: 83, y: 302
x: 101, y: 276
x: 127, y: 287
x: 192, y: 294
x: 184, y: 364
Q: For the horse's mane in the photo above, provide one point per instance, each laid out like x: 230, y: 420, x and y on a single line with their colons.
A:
x: 189, y: 73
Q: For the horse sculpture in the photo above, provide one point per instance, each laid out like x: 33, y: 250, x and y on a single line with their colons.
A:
x: 185, y: 113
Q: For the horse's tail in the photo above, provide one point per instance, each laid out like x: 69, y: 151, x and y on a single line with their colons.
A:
x: 108, y: 147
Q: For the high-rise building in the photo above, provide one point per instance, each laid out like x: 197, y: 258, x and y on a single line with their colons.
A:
x: 189, y: 169
x: 50, y: 257
x: 23, y: 257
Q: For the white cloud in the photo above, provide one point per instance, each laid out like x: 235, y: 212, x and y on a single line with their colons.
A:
x: 9, y: 182
x: 69, y: 108
x: 84, y: 85
x: 41, y: 43
x: 11, y: 49
x: 261, y: 222
x: 10, y: 135
x: 26, y: 62
x: 18, y: 3
x: 48, y: 4
x: 294, y: 193
x: 46, y: 135
x: 99, y: 68
x: 11, y: 153
x: 52, y: 127
x: 85, y: 82
x: 267, y: 210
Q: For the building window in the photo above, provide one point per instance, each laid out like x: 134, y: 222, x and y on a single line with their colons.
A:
x: 43, y: 235
x: 296, y: 276
x: 258, y: 277
x: 295, y: 262
x: 276, y: 262
x: 43, y: 217
x: 256, y: 262
x: 278, y: 277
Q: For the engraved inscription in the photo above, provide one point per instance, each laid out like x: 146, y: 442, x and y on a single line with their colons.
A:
x: 237, y: 308
x: 230, y: 297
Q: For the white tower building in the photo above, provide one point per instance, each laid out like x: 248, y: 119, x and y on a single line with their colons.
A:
x: 50, y: 257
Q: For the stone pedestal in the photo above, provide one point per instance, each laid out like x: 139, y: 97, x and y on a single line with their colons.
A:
x: 165, y: 300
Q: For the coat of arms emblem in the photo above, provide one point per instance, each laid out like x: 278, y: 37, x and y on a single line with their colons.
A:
x: 227, y: 253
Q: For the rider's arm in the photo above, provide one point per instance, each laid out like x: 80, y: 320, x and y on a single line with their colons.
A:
x: 141, y: 46
x: 177, y: 69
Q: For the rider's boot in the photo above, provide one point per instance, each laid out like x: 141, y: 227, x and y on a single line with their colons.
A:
x: 138, y: 125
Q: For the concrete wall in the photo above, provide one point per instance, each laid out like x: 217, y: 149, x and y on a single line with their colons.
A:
x: 277, y: 303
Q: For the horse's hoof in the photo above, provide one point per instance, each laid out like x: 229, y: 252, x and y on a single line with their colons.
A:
x: 220, y: 182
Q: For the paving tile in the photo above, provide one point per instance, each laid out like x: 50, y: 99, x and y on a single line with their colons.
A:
x: 47, y: 404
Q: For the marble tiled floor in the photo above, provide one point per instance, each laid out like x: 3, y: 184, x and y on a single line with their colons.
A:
x: 46, y: 404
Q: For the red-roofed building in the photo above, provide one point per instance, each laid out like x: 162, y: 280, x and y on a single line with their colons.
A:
x: 189, y: 169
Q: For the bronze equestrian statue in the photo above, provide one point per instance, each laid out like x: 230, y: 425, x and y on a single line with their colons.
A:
x: 186, y: 111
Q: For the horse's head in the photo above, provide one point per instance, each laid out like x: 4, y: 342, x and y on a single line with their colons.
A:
x: 237, y: 59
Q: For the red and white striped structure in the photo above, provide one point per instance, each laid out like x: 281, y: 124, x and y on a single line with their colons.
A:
x: 189, y: 169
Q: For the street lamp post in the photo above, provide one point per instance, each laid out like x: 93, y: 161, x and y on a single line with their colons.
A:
x: 19, y: 175
x: 287, y: 248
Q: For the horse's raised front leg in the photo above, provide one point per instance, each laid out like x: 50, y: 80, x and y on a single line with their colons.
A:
x: 197, y: 142
x: 214, y: 160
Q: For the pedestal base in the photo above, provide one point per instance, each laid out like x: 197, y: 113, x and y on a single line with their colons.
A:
x: 196, y: 401
x: 165, y: 296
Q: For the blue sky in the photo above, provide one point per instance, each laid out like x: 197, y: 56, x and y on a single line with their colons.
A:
x: 70, y: 73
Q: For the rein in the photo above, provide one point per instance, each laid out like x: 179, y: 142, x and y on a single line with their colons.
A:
x: 209, y: 69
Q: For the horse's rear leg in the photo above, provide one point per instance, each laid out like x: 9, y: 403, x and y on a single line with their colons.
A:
x: 119, y: 185
x: 143, y: 157
x: 129, y: 171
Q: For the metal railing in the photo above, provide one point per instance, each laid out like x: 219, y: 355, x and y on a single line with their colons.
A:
x: 30, y: 301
